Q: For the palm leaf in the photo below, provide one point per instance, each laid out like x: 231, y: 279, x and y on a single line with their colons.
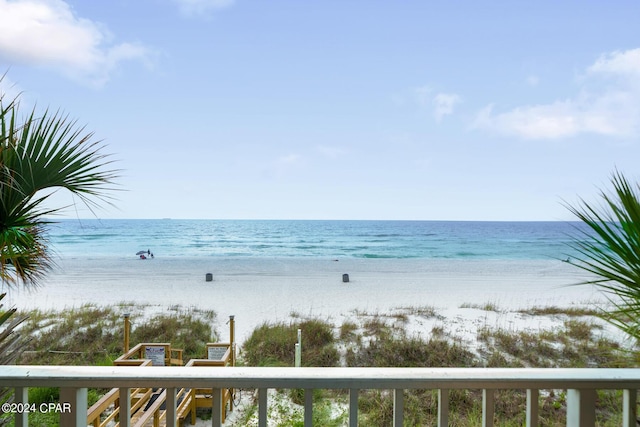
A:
x: 610, y: 251
x: 39, y: 155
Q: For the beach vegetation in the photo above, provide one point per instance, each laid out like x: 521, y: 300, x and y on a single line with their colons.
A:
x: 273, y: 344
x: 609, y: 250
x: 94, y: 335
x: 426, y: 311
x: 12, y: 344
x: 487, y: 306
x: 348, y: 330
x: 371, y: 339
x: 184, y: 331
x: 411, y: 351
x: 573, y: 342
x: 553, y: 310
x: 40, y: 153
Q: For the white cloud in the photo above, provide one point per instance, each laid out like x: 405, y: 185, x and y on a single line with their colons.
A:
x: 48, y: 33
x: 533, y: 80
x: 611, y: 109
x: 443, y: 104
x: 440, y: 104
x: 540, y: 121
x: 201, y: 7
x: 619, y: 63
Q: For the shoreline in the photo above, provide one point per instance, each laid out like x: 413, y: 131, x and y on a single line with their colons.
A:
x: 258, y: 290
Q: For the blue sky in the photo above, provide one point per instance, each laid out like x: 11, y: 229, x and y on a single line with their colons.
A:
x: 372, y: 109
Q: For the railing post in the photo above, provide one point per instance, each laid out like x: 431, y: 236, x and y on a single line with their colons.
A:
x: 398, y: 407
x: 581, y: 408
x: 353, y: 407
x: 216, y: 411
x: 443, y: 407
x: 21, y: 395
x: 308, y: 407
x: 171, y: 414
x: 124, y: 412
x: 488, y: 408
x: 77, y: 400
x: 629, y: 405
x: 532, y: 407
x: 262, y: 407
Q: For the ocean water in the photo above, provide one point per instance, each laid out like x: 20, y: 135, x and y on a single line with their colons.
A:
x: 313, y: 239
x: 266, y: 270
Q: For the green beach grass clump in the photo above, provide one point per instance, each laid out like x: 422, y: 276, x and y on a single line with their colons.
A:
x: 574, y: 345
x: 93, y: 335
x: 413, y: 351
x: 372, y: 339
x: 183, y: 331
x: 273, y: 344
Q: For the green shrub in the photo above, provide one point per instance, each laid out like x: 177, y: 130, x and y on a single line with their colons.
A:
x: 273, y: 344
x: 182, y: 331
x: 412, y: 352
x: 40, y: 395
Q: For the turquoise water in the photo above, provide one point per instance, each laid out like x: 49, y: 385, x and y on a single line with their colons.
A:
x: 266, y: 270
x: 319, y: 239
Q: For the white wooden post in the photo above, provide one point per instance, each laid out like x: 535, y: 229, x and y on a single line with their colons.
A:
x: 171, y: 405
x: 488, y: 408
x: 216, y: 413
x: 532, y: 407
x: 443, y: 408
x: 581, y: 408
x: 353, y: 407
x: 299, y: 349
x: 398, y: 407
x: 629, y: 411
x: 262, y: 407
x: 125, y: 407
x: 308, y: 407
x: 21, y: 395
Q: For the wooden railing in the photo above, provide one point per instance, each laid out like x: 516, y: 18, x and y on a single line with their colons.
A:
x: 581, y: 386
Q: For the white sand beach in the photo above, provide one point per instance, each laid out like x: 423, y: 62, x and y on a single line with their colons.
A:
x: 266, y: 290
x: 258, y: 290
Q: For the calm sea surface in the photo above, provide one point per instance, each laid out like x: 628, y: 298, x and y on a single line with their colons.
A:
x: 265, y: 270
x: 313, y: 239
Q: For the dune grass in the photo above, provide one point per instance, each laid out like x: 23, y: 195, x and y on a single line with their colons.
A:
x: 372, y: 339
x: 92, y: 335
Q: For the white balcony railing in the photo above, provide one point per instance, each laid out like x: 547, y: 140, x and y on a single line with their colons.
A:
x: 581, y: 386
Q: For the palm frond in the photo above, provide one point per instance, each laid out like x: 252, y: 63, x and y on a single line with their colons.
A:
x: 610, y: 251
x: 39, y: 155
x: 53, y: 152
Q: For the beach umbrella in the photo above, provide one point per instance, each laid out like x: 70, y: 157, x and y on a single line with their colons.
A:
x: 142, y: 252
